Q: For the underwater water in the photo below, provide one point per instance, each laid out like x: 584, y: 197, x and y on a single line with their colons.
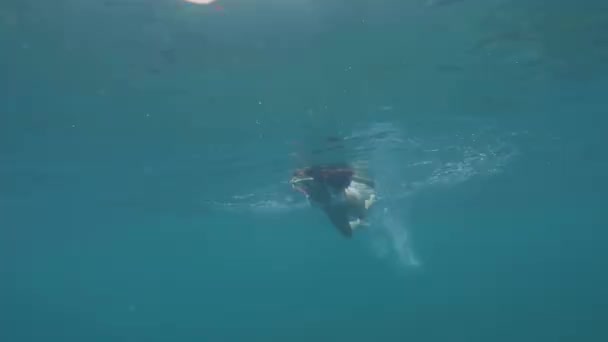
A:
x: 146, y: 149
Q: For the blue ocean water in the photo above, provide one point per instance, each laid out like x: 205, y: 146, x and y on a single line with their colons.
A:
x: 146, y: 148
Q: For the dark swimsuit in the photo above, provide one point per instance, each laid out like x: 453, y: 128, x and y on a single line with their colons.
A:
x: 337, y: 177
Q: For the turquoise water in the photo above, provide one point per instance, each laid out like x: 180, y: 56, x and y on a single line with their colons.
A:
x: 146, y: 148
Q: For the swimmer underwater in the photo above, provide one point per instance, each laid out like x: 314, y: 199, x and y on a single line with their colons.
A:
x: 338, y: 190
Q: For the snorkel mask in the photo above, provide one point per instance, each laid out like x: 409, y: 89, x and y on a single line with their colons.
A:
x: 302, y: 184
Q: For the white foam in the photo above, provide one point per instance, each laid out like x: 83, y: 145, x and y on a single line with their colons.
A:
x: 400, y: 175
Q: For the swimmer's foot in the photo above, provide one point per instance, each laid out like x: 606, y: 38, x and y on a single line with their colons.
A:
x: 357, y: 223
x: 369, y: 202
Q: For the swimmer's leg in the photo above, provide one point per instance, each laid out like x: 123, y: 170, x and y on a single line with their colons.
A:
x: 339, y: 218
x: 364, y: 213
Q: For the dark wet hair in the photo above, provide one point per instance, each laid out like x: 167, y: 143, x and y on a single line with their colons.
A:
x: 337, y: 176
